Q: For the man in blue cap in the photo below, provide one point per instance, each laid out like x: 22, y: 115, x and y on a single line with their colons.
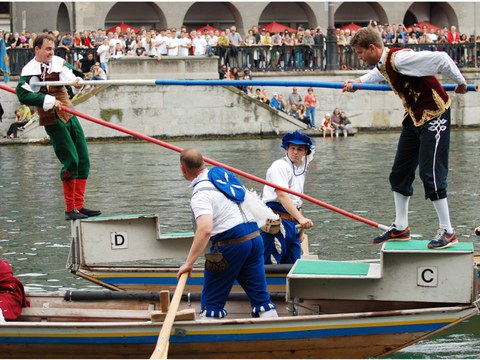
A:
x: 288, y: 172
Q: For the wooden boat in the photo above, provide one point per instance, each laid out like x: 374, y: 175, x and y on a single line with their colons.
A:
x: 331, y: 309
x: 56, y: 328
x: 328, y: 309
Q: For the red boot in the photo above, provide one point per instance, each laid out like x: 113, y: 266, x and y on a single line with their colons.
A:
x: 80, y: 186
x: 71, y: 213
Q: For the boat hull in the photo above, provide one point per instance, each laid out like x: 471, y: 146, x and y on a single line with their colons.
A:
x: 357, y: 335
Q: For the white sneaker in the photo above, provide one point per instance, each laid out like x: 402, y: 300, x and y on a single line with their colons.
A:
x: 268, y: 314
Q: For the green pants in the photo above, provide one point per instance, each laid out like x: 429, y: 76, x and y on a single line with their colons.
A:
x: 70, y: 146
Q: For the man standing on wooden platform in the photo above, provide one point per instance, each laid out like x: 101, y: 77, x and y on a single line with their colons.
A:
x: 425, y: 137
x: 63, y: 128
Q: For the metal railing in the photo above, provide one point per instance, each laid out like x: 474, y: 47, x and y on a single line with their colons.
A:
x: 275, y: 58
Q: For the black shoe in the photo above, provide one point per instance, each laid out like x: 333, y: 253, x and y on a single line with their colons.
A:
x: 89, y: 212
x: 393, y: 234
x: 74, y: 215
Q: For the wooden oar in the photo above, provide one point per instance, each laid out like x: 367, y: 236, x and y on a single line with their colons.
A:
x: 161, y: 349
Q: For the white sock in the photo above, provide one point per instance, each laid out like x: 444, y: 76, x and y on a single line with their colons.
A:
x: 401, y: 210
x: 441, y: 206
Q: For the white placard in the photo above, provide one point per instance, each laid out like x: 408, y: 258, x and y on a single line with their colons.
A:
x: 427, y: 276
x: 119, y: 240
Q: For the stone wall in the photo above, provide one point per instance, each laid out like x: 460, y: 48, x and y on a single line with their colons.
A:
x: 202, y: 111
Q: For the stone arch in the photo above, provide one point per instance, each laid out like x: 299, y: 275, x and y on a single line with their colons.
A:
x: 63, y: 19
x: 360, y: 13
x: 437, y: 13
x: 292, y: 14
x: 137, y: 14
x: 217, y: 14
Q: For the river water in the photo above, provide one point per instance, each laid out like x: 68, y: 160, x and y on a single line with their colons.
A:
x: 139, y: 177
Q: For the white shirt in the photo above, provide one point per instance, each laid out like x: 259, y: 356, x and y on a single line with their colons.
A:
x: 200, y: 46
x: 183, y: 51
x: 172, y: 42
x: 103, y: 51
x: 283, y: 173
x: 225, y: 213
x: 418, y: 64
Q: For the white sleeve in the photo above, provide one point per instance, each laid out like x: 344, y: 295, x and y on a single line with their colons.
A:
x: 373, y: 76
x: 427, y: 63
x: 67, y: 75
x: 48, y: 102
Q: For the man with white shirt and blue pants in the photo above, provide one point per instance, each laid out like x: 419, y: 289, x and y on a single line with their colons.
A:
x: 425, y: 137
x: 234, y: 234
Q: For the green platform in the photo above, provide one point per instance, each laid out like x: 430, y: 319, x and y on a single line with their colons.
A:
x: 319, y: 267
x: 422, y: 245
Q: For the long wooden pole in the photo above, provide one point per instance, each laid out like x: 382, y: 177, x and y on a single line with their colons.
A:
x: 289, y: 83
x: 216, y: 163
x: 161, y: 349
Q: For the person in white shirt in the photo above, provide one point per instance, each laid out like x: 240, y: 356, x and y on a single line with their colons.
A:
x: 288, y: 172
x: 172, y: 44
x: 184, y: 44
x: 425, y: 138
x: 223, y: 218
x: 199, y: 45
x: 103, y: 53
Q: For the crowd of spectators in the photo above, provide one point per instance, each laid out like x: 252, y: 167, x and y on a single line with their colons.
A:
x: 258, y: 49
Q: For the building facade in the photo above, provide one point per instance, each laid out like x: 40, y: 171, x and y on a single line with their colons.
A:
x: 79, y: 16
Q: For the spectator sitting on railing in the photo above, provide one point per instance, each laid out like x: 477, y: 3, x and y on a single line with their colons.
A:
x: 274, y: 101
x: 293, y: 111
x: 282, y: 106
x: 98, y: 73
x: 302, y: 115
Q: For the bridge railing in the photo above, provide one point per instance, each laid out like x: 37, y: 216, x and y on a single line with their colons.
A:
x: 275, y: 58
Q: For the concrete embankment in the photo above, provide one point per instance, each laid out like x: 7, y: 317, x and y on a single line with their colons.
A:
x: 218, y: 111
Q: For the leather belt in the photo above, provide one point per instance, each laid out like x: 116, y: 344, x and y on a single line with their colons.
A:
x: 238, y: 240
x: 285, y: 215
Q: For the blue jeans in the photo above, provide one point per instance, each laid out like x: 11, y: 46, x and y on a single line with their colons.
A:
x: 311, y: 114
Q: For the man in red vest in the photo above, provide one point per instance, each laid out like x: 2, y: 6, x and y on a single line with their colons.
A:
x: 425, y: 138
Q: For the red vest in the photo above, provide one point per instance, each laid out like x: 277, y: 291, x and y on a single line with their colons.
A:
x: 424, y: 98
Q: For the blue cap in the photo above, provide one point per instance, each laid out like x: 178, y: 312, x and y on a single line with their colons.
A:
x: 297, y: 138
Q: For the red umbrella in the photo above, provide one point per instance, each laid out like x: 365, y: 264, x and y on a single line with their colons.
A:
x: 123, y: 28
x: 276, y: 27
x: 351, y: 27
x: 428, y: 25
x: 208, y: 27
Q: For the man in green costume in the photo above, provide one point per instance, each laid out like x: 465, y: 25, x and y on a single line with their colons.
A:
x: 63, y: 128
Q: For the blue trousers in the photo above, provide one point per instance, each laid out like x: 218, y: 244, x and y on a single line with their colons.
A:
x: 310, y: 112
x: 283, y: 247
x: 427, y: 147
x: 246, y: 267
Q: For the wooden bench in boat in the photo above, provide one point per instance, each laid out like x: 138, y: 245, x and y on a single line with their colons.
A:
x: 407, y: 271
x: 76, y: 314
